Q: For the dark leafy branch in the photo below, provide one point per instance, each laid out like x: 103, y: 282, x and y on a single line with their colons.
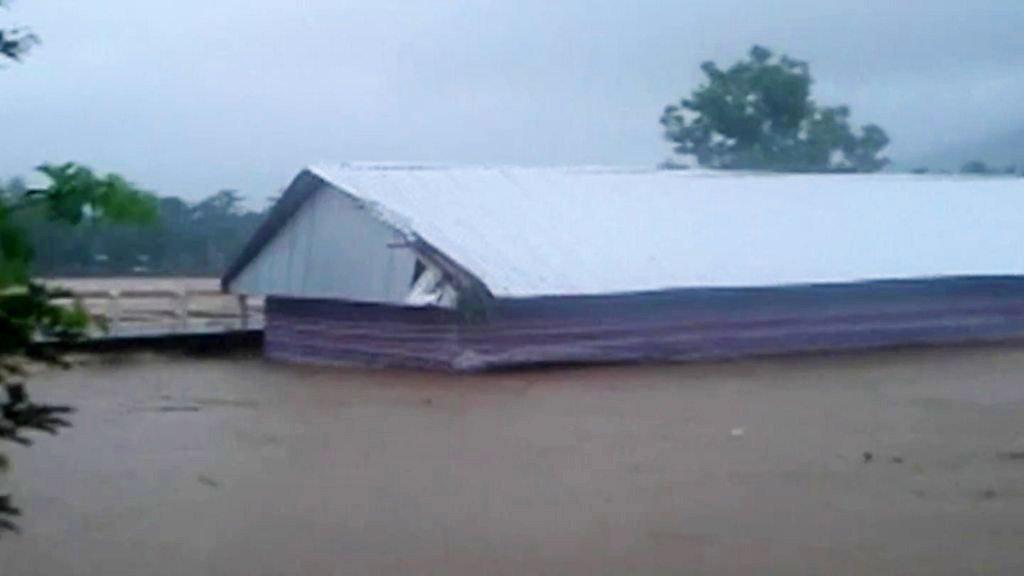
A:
x: 7, y: 512
x: 19, y: 413
x: 29, y: 318
x: 15, y: 42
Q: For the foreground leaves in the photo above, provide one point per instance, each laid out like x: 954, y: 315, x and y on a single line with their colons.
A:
x: 19, y: 413
x: 30, y: 319
x: 16, y: 42
x: 7, y: 511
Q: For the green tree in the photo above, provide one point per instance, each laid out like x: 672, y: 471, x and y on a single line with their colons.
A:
x: 758, y: 115
x: 29, y: 317
x: 30, y: 320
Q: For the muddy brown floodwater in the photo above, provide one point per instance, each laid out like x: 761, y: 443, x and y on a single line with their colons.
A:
x: 887, y: 463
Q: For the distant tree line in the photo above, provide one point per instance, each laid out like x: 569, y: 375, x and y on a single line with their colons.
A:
x: 978, y: 168
x: 187, y: 239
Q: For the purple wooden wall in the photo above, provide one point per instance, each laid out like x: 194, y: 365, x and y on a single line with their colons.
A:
x: 671, y: 325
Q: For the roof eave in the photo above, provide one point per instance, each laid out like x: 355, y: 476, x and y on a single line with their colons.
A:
x: 298, y: 192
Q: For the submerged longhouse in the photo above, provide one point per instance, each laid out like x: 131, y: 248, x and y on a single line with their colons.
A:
x: 467, y: 268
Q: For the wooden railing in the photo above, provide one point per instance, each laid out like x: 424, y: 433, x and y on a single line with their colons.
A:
x: 156, y: 311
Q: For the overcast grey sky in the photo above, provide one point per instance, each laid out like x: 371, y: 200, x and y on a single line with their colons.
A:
x: 191, y: 96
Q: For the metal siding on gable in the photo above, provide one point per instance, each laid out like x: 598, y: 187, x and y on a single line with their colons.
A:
x: 331, y: 248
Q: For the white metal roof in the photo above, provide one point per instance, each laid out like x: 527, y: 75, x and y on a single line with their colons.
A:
x: 572, y: 231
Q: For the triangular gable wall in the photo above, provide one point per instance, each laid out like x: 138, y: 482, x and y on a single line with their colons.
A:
x: 331, y: 247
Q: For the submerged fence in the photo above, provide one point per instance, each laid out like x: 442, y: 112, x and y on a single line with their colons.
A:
x: 156, y: 311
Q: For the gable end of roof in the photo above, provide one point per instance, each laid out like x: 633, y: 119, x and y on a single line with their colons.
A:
x: 304, y: 187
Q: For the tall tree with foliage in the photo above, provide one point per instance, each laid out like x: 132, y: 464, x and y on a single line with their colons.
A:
x: 758, y: 115
x: 29, y: 317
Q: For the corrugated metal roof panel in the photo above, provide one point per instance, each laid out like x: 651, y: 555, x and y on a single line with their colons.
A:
x: 574, y: 231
